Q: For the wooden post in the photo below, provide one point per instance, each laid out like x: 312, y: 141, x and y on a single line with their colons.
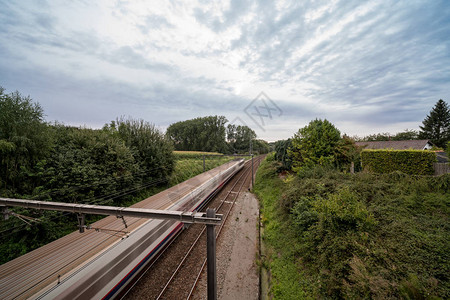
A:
x: 352, y: 168
x: 204, y: 168
x: 211, y: 256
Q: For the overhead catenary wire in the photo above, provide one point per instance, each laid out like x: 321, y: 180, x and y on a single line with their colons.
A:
x: 147, y: 185
x: 96, y: 200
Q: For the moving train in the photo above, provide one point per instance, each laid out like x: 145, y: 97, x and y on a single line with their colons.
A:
x: 108, y: 275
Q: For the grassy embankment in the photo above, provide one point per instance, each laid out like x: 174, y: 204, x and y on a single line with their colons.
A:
x: 363, y: 236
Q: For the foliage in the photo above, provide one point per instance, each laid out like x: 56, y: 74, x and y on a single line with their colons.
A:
x: 448, y: 149
x: 408, y: 134
x: 150, y: 147
x: 24, y: 142
x: 199, y: 134
x: 346, y: 152
x: 281, y: 153
x: 415, y: 162
x: 260, y: 147
x: 363, y: 236
x: 87, y: 164
x: 314, y: 144
x: 279, y: 237
x: 239, y: 138
x: 436, y: 125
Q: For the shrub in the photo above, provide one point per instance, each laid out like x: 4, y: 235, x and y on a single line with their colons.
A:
x: 413, y: 162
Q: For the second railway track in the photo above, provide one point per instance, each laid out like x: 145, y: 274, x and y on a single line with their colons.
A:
x: 176, y: 272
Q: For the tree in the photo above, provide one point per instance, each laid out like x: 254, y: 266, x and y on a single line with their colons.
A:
x: 406, y: 135
x: 260, y: 146
x: 24, y: 142
x: 346, y: 152
x: 151, y: 149
x: 281, y: 153
x: 199, y: 134
x: 436, y: 125
x: 86, y: 164
x: 314, y: 144
x: 239, y: 138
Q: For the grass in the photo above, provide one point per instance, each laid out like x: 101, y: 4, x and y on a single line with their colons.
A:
x: 364, y: 236
x: 186, y: 168
x: 193, y: 154
x: 278, y: 236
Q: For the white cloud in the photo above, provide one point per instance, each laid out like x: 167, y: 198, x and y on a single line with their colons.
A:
x: 355, y: 63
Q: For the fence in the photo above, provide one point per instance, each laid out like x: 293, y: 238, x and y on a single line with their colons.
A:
x: 441, y: 168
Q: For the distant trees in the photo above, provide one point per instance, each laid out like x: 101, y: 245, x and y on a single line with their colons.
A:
x: 408, y: 134
x: 239, y: 138
x: 318, y: 143
x: 210, y: 134
x: 436, y: 125
x: 260, y: 146
x: 199, y: 134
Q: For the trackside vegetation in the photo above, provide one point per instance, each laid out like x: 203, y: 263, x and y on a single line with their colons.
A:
x: 122, y: 163
x: 335, y: 235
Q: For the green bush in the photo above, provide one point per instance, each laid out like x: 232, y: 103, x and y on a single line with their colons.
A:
x: 355, y: 236
x: 413, y: 162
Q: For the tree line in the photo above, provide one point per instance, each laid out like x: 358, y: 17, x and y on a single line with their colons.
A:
x: 210, y: 134
x: 54, y: 162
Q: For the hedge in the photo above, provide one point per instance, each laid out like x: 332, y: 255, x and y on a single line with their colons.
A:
x: 413, y: 162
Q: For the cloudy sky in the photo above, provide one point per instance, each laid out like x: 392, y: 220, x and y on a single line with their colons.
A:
x: 366, y: 66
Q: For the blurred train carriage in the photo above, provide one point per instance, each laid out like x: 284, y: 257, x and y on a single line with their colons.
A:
x: 93, y: 265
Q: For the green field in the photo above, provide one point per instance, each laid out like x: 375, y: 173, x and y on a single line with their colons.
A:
x: 363, y: 236
x: 186, y: 167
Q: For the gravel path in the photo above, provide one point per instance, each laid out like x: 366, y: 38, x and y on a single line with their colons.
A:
x: 237, y: 250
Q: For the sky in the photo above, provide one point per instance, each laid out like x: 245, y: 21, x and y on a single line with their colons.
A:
x: 366, y: 66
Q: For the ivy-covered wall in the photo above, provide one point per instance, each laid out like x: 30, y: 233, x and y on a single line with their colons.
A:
x: 414, y: 162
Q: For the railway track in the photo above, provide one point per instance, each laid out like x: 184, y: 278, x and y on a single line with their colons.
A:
x: 176, y: 273
x: 77, y: 259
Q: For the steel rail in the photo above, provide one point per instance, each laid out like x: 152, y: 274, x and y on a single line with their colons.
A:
x: 201, y: 234
x: 217, y: 236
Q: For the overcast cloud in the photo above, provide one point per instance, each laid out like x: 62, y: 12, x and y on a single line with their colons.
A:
x: 367, y: 66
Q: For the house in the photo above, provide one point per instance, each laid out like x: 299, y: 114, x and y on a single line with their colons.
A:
x: 397, y: 145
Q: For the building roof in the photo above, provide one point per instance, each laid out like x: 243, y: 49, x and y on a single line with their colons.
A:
x: 397, y: 145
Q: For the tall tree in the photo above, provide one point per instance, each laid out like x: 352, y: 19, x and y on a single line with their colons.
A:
x: 281, y: 153
x: 239, y: 138
x: 24, y: 141
x: 151, y: 149
x: 199, y: 134
x: 314, y: 144
x: 436, y: 125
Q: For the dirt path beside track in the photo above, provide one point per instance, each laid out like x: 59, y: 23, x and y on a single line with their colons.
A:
x: 237, y: 249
